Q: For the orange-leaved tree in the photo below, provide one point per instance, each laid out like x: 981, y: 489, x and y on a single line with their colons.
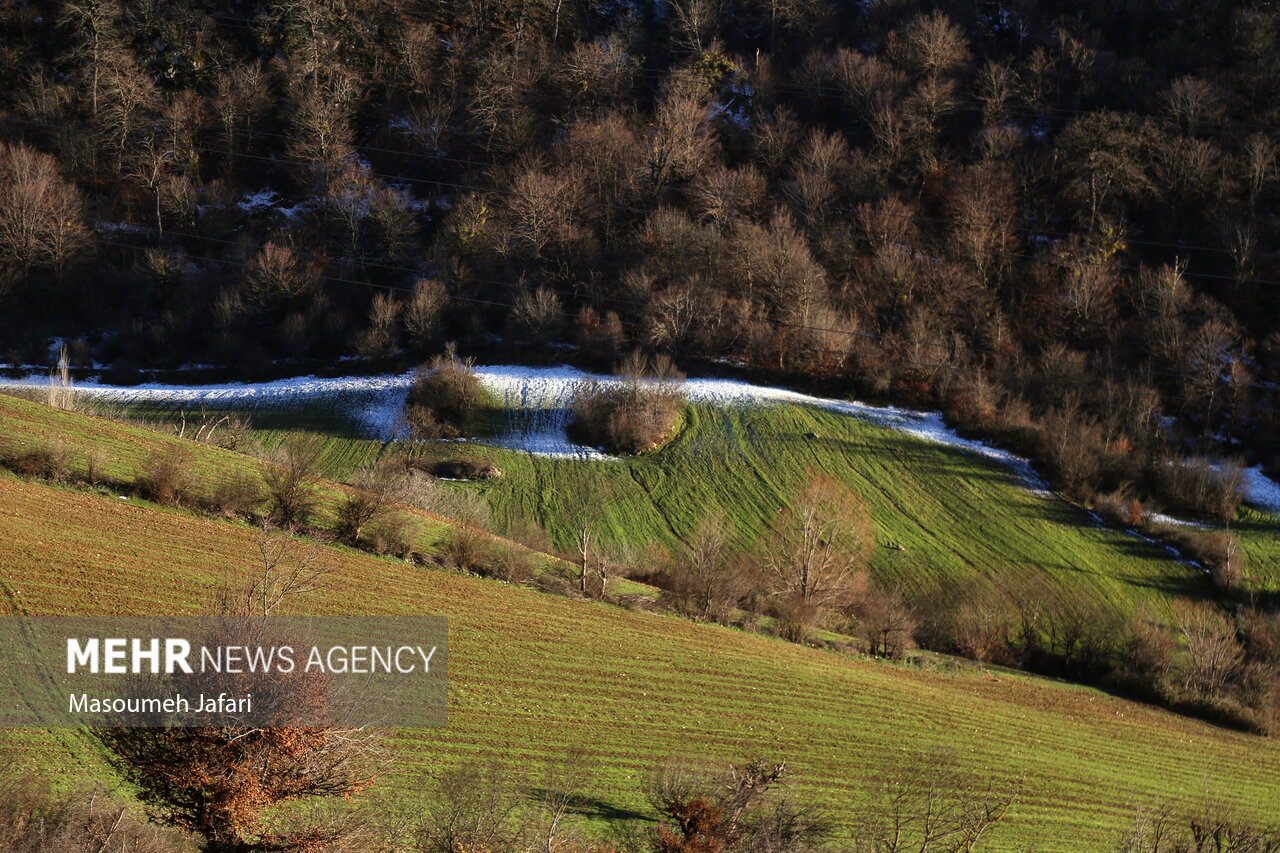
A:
x: 220, y: 780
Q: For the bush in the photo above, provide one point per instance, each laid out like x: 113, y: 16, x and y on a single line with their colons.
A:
x: 33, y: 820
x: 886, y: 623
x: 166, y: 477
x: 795, y: 616
x: 424, y: 492
x: 50, y: 461
x: 1119, y: 507
x: 1217, y: 551
x: 1200, y: 487
x: 633, y: 414
x: 236, y: 496
x: 443, y: 398
x: 468, y: 550
x: 390, y: 533
x: 291, y: 476
x: 376, y: 489
x: 512, y: 565
x: 95, y: 466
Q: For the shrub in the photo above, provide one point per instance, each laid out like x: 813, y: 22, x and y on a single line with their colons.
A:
x: 34, y: 820
x: 49, y: 461
x: 424, y: 492
x: 95, y: 464
x: 512, y: 565
x: 1217, y: 551
x: 982, y: 627
x: 1199, y: 486
x: 468, y: 550
x: 376, y: 488
x: 1119, y: 507
x: 633, y: 414
x: 1073, y: 446
x: 1146, y: 658
x: 886, y: 623
x: 443, y: 398
x: 390, y: 533
x: 795, y: 616
x: 236, y: 495
x: 291, y: 476
x: 166, y: 477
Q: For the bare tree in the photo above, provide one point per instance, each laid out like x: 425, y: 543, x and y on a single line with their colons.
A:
x: 928, y: 802
x: 680, y: 142
x: 1192, y: 102
x: 91, y: 25
x: 287, y: 568
x: 40, y: 214
x: 695, y: 23
x: 1214, y: 653
x: 710, y: 569
x: 564, y: 788
x: 544, y: 211
x: 886, y: 622
x: 473, y: 807
x: 422, y: 313
x: 820, y: 544
x: 292, y: 479
x: 376, y: 490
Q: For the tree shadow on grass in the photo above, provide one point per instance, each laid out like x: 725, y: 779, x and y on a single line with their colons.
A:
x: 594, y: 807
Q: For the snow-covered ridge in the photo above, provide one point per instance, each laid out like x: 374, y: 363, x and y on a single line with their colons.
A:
x: 542, y: 397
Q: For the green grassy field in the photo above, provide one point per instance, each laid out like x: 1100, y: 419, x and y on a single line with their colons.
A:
x: 944, y: 517
x: 533, y: 674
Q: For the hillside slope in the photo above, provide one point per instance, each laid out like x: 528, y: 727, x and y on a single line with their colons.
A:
x: 945, y: 516
x: 532, y: 674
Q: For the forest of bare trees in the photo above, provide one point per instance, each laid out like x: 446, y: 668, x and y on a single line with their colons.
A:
x: 1052, y: 220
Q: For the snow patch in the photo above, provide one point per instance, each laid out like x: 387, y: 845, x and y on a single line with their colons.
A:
x: 540, y: 398
x: 261, y: 200
x: 1161, y: 518
x: 1260, y: 490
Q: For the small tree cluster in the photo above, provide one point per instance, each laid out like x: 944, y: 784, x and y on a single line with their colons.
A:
x: 443, y: 398
x: 632, y: 414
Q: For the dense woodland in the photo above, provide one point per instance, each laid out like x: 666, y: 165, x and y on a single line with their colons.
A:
x: 1053, y: 220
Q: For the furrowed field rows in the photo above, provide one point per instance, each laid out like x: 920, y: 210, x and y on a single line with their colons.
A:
x: 949, y: 517
x: 946, y: 517
x: 124, y: 451
x: 532, y: 674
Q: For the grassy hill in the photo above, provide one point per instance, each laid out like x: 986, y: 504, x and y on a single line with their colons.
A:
x: 944, y: 517
x: 532, y: 674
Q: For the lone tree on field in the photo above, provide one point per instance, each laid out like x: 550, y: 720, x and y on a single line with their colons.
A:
x: 218, y: 781
x: 819, y: 546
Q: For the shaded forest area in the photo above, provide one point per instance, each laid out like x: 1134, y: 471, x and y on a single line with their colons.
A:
x: 1055, y: 221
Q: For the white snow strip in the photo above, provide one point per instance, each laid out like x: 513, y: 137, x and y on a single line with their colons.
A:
x: 1161, y: 518
x: 541, y: 398
x: 1260, y: 490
